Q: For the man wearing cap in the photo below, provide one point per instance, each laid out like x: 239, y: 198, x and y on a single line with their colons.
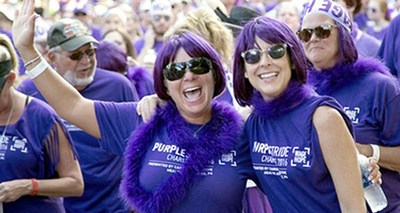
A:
x: 161, y: 20
x: 72, y: 52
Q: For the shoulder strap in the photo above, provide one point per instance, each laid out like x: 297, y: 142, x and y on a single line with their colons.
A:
x: 27, y: 100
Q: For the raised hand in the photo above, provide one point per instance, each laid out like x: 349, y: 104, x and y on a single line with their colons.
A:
x: 23, y: 29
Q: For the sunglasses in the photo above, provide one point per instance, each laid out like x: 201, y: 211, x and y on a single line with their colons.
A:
x: 159, y: 17
x: 322, y: 31
x: 198, y: 66
x: 373, y: 10
x: 253, y: 56
x: 5, y: 68
x: 76, y: 56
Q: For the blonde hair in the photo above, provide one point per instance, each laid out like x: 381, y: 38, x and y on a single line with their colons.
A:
x: 205, y: 23
x: 7, y: 52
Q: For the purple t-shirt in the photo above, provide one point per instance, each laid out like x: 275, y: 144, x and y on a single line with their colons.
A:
x: 221, y: 185
x: 373, y: 103
x: 27, y: 151
x: 377, y: 34
x: 367, y: 46
x: 101, y: 169
x: 288, y: 161
x: 390, y: 48
x: 139, y: 44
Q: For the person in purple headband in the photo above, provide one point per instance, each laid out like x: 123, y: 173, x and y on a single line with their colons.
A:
x: 369, y: 94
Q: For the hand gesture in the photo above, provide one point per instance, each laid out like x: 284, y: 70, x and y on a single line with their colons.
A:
x: 24, y: 27
x: 147, y: 106
x: 149, y: 38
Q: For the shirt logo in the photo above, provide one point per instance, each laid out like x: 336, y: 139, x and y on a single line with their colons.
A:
x: 300, y: 157
x: 228, y: 159
x: 352, y: 113
x: 14, y: 144
x: 19, y: 144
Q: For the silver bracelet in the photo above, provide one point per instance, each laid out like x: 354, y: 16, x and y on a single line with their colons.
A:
x: 37, y: 70
x: 32, y: 61
x: 376, y: 152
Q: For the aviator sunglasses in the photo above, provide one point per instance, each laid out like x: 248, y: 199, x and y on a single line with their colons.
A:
x: 198, y: 66
x: 253, y: 56
x: 76, y: 56
x: 322, y: 31
x: 159, y: 17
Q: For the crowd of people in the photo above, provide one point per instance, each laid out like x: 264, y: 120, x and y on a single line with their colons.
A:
x: 198, y: 106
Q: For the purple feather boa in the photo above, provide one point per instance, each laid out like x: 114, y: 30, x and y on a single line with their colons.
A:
x: 218, y: 136
x: 294, y: 94
x: 328, y: 80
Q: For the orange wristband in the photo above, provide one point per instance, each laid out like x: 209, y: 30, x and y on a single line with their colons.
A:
x: 35, y: 187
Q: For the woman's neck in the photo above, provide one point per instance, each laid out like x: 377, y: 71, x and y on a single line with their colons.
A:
x: 380, y: 24
x: 201, y: 118
x: 11, y: 106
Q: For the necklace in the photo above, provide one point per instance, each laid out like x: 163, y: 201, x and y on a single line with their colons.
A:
x: 195, y: 134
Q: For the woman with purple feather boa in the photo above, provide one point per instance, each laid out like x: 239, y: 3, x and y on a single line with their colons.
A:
x: 301, y: 143
x: 364, y: 87
x: 188, y: 157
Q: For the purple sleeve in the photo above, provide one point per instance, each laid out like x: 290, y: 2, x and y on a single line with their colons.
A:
x: 138, y: 44
x: 390, y: 47
x: 116, y: 122
x: 390, y: 117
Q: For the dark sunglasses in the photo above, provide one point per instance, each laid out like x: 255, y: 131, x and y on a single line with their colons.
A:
x: 76, y: 56
x: 322, y: 31
x: 198, y: 66
x: 373, y: 10
x: 5, y: 68
x: 253, y: 56
x: 159, y: 17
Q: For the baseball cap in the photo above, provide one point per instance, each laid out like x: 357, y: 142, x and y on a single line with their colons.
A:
x: 7, y: 11
x: 161, y: 7
x: 70, y: 34
x: 84, y: 9
x: 238, y: 17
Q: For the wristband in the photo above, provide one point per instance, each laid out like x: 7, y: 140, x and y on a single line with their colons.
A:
x: 37, y: 70
x: 376, y: 152
x: 32, y: 61
x: 35, y: 187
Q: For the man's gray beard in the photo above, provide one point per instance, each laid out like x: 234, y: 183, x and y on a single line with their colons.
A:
x: 81, y: 82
